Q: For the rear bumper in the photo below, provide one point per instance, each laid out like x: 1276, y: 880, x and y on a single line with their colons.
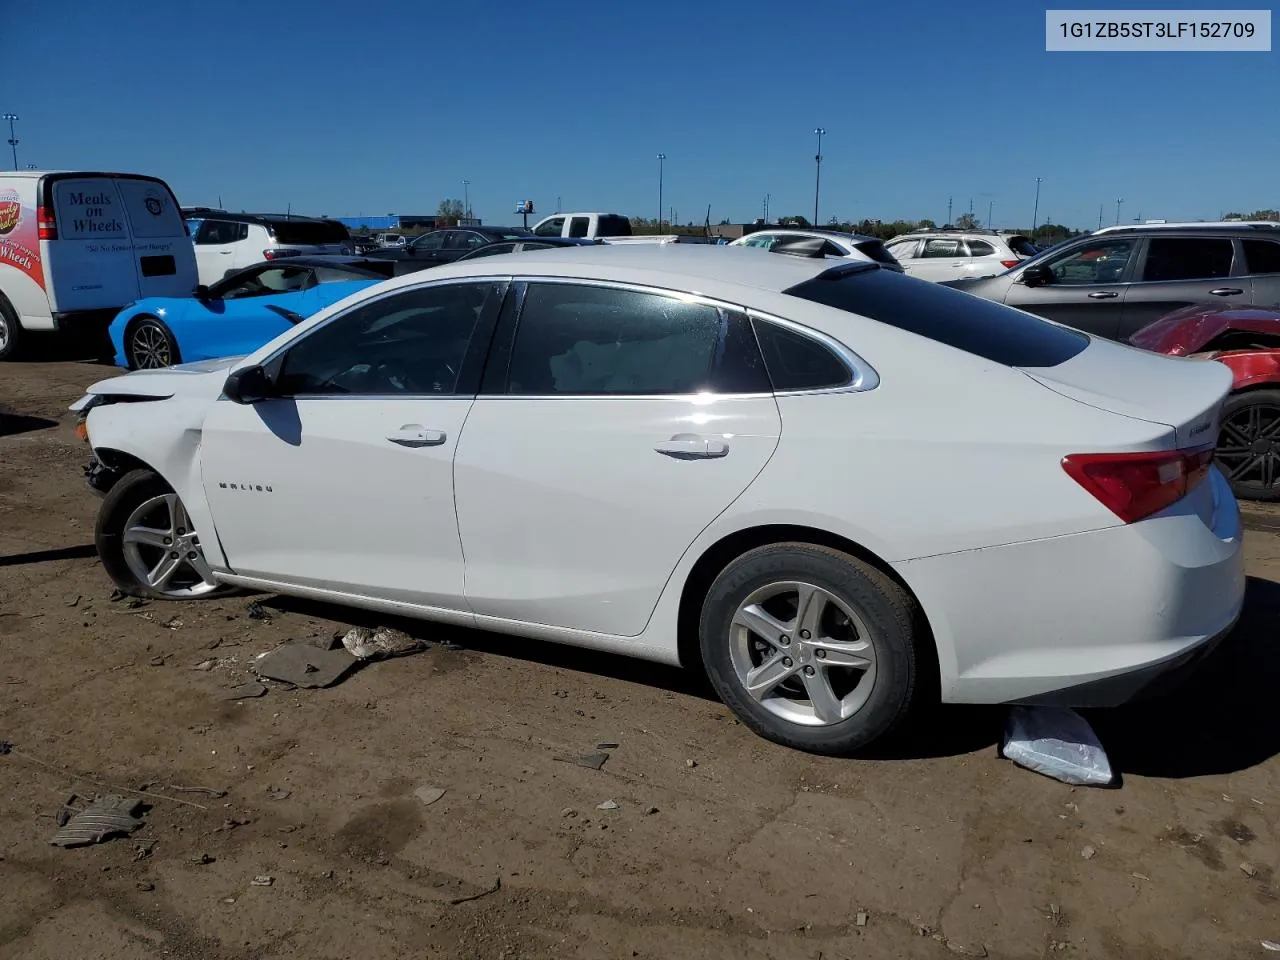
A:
x: 1090, y: 619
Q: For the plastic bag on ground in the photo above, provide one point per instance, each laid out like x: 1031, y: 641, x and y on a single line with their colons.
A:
x: 1058, y: 743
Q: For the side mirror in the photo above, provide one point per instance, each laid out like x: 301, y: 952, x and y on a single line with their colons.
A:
x: 248, y: 385
x: 1037, y: 275
x: 202, y: 292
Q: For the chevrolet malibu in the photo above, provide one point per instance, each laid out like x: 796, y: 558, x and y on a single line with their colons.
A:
x: 839, y: 490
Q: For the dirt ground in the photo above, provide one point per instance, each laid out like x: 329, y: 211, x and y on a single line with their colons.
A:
x: 721, y: 845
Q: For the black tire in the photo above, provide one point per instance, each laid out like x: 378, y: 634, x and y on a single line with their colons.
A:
x: 10, y: 330
x: 1254, y: 474
x: 882, y: 604
x: 149, y: 344
x: 129, y: 493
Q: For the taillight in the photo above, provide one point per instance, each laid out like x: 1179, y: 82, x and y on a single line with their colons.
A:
x: 1136, y: 485
x: 277, y: 253
x: 46, y: 224
x: 1009, y: 264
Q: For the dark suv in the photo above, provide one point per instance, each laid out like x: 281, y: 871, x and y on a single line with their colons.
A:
x: 1116, y: 281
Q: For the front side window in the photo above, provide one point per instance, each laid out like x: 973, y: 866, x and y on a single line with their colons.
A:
x: 265, y: 282
x: 430, y: 241
x: 1100, y: 262
x: 410, y: 343
x: 588, y: 340
x: 552, y: 228
x: 1187, y: 258
x: 903, y: 249
x: 1262, y: 256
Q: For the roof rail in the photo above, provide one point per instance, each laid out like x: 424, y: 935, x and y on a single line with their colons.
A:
x: 1221, y: 224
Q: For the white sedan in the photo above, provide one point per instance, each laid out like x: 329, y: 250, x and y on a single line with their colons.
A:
x: 837, y: 489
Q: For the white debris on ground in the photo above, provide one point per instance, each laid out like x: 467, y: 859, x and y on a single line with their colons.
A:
x: 1058, y: 743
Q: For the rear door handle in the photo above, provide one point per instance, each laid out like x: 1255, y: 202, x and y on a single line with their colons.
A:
x: 416, y: 435
x: 692, y: 446
x: 1103, y: 295
x: 1226, y: 292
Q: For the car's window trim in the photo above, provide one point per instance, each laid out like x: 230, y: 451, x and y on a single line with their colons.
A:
x: 473, y: 362
x: 494, y: 381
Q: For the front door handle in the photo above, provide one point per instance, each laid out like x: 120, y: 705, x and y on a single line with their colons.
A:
x: 416, y: 435
x: 1104, y: 295
x: 692, y: 446
x: 1225, y: 292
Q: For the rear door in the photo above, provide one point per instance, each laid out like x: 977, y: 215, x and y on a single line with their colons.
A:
x: 618, y: 424
x: 92, y: 263
x: 1262, y: 262
x: 1088, y: 286
x: 1176, y: 272
x: 165, y: 258
x: 939, y: 258
x: 215, y: 248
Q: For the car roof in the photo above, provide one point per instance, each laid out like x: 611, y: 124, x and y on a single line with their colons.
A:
x: 1211, y: 226
x: 956, y: 235
x: 209, y: 214
x: 712, y: 270
x: 811, y: 231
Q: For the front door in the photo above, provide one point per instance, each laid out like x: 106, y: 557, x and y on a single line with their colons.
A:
x: 1179, y: 271
x: 1088, y: 287
x: 344, y: 480
x: 611, y: 440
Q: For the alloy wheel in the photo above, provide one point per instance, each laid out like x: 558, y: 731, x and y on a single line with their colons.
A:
x: 163, y: 551
x: 1249, y: 445
x: 803, y: 653
x: 149, y: 346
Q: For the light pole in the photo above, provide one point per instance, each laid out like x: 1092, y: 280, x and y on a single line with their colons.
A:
x: 13, y: 138
x: 817, y: 174
x: 948, y: 223
x: 766, y: 206
x: 661, y: 158
x: 990, y: 205
x: 1119, y: 201
x: 1100, y: 216
x: 466, y: 199
x: 1035, y: 212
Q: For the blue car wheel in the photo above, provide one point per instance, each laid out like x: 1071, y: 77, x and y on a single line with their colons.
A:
x: 149, y: 344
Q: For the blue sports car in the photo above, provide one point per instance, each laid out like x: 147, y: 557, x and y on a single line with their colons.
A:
x: 240, y: 312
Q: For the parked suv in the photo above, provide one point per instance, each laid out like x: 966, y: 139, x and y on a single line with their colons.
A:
x: 953, y: 255
x: 226, y: 242
x: 1116, y: 281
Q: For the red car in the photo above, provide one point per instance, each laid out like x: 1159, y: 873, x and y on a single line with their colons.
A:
x: 1246, y: 339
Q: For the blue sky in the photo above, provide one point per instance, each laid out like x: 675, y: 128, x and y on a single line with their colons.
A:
x: 349, y: 108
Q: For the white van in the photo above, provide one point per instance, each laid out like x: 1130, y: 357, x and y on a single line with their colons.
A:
x: 77, y: 247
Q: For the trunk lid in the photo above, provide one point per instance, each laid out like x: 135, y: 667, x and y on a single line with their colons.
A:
x: 1183, y: 394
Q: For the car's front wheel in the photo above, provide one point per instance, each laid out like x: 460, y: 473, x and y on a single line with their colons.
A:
x: 810, y: 647
x: 149, y: 345
x: 147, y: 544
x: 1248, y: 450
x: 10, y: 330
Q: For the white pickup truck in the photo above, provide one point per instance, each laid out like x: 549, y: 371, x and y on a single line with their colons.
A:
x: 609, y: 227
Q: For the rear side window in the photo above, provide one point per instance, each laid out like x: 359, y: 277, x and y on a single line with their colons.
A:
x: 310, y: 232
x: 89, y: 209
x: 600, y: 341
x: 980, y: 248
x: 578, y: 226
x: 612, y: 225
x: 981, y: 327
x: 151, y: 208
x: 941, y: 248
x: 1262, y: 256
x: 217, y: 232
x: 798, y: 362
x: 1187, y: 258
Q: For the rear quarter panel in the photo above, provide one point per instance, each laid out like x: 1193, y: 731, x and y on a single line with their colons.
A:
x: 1252, y: 368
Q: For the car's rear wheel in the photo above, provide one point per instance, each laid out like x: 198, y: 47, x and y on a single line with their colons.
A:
x: 810, y: 647
x: 147, y: 544
x: 10, y: 330
x: 1248, y: 449
x: 150, y: 345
